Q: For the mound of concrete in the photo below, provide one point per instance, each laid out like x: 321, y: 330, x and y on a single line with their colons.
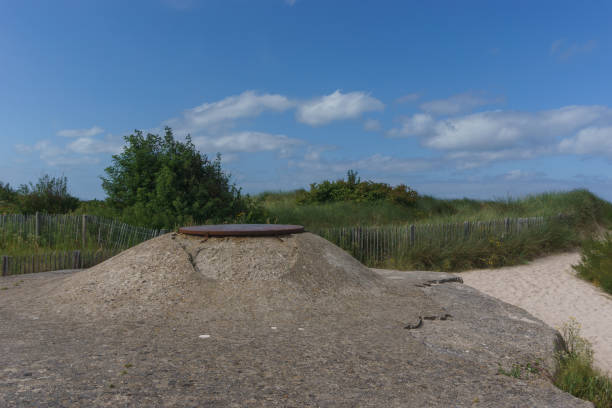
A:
x: 176, y: 275
x: 269, y: 321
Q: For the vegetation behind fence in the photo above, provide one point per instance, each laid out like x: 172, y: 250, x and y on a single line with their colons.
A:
x: 373, y: 245
x: 43, y: 242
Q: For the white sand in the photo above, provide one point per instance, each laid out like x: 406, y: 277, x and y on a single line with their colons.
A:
x: 548, y: 289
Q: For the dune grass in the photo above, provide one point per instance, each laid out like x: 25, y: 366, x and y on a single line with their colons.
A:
x: 576, y: 374
x: 492, y: 253
x: 596, y: 262
x: 584, y: 211
x: 585, y: 206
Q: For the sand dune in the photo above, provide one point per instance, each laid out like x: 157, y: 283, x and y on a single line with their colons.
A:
x: 548, y: 289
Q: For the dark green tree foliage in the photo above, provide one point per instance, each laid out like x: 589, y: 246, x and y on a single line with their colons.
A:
x: 353, y: 189
x: 8, y: 197
x: 49, y: 194
x: 7, y: 194
x: 161, y: 182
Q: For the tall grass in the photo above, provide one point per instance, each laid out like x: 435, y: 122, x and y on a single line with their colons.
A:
x: 460, y: 255
x: 585, y: 207
x: 585, y: 214
x: 576, y: 374
x: 596, y: 262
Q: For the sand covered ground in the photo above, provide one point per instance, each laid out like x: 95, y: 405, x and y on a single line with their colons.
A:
x: 549, y: 289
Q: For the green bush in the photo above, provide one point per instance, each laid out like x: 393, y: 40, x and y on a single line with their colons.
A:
x: 49, y: 194
x: 353, y: 189
x: 8, y: 198
x: 596, y: 262
x: 160, y: 182
x: 576, y: 374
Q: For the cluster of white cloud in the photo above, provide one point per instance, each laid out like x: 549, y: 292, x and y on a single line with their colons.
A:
x: 247, y: 142
x: 53, y: 155
x: 337, y: 106
x: 464, y: 140
x: 376, y: 163
x: 212, y: 124
x: 93, y: 131
x: 482, y: 137
x: 220, y: 114
x: 79, y: 151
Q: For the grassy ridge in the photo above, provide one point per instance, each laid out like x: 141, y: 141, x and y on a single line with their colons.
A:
x: 596, y: 262
x: 585, y: 206
x: 586, y: 213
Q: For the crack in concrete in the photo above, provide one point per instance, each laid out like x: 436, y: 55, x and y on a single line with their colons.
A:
x: 432, y: 282
x: 419, y: 322
x: 190, y: 257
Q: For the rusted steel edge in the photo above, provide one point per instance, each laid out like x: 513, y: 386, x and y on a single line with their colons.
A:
x: 267, y: 230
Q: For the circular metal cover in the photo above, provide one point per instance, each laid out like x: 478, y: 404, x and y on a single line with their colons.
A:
x: 242, y: 230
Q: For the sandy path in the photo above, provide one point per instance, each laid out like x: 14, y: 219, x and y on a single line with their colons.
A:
x: 548, y: 289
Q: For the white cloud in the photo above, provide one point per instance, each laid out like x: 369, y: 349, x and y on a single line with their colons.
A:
x: 507, y: 129
x: 472, y: 159
x: 474, y: 139
x: 88, y: 145
x: 389, y: 164
x: 246, y: 142
x: 95, y: 130
x: 457, y: 104
x: 376, y: 163
x: 589, y: 141
x: 565, y: 50
x: 55, y: 156
x: 518, y: 174
x: 337, y: 106
x: 313, y: 153
x: 411, y: 97
x: 372, y: 125
x: 291, y: 2
x: 225, y: 111
x: 414, y: 125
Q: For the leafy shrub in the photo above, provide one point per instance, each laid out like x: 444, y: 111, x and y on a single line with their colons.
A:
x: 8, y: 197
x: 353, y: 189
x: 596, y: 262
x: 49, y: 194
x: 160, y: 182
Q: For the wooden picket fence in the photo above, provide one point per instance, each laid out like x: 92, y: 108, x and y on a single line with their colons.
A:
x: 373, y: 245
x: 52, y: 261
x: 69, y: 241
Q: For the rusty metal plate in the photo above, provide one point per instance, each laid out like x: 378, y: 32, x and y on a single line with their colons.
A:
x: 242, y: 230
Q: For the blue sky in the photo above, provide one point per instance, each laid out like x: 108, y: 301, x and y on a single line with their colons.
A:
x: 474, y: 98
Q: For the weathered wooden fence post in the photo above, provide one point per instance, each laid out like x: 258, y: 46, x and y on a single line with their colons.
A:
x: 466, y: 229
x: 84, y: 230
x: 412, y: 235
x: 75, y: 259
x: 37, y: 225
x: 4, y: 265
x: 507, y: 222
